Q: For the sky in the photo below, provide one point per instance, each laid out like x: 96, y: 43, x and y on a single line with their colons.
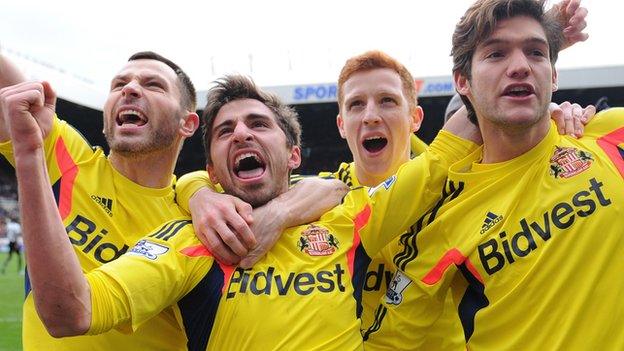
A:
x: 80, y: 45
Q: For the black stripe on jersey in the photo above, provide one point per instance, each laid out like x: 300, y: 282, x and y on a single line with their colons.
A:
x: 170, y: 229
x: 451, y: 191
x: 27, y: 287
x: 199, y: 308
x: 344, y: 174
x: 408, y: 240
x: 56, y: 190
x: 380, y: 313
x: 360, y: 266
x: 473, y: 300
x: 176, y: 229
x: 408, y: 243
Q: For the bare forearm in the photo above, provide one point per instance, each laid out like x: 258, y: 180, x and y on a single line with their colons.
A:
x: 309, y: 200
x: 9, y: 73
x: 304, y: 203
x: 60, y: 291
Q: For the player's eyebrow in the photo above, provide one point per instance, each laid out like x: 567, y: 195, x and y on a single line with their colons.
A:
x: 500, y: 41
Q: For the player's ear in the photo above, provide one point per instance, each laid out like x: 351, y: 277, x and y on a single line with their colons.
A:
x: 295, y: 158
x: 340, y: 124
x: 461, y: 83
x: 189, y: 124
x: 416, y: 118
x: 554, y: 79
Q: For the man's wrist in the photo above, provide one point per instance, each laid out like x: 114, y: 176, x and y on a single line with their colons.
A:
x: 28, y: 157
x: 276, y: 210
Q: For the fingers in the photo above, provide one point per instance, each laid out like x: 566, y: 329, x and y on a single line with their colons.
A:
x: 571, y: 7
x: 220, y: 223
x: 571, y: 16
x: 31, y: 92
x: 230, y: 238
x: 49, y: 95
x: 588, y: 113
x: 571, y: 118
x: 563, y: 117
x: 241, y: 221
x: 219, y: 250
x: 577, y: 115
x: 578, y: 18
x: 556, y: 114
x: 244, y: 210
x: 573, y: 29
x: 576, y: 37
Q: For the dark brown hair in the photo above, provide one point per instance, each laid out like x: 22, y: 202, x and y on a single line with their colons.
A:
x: 187, y: 90
x: 479, y: 22
x: 237, y: 87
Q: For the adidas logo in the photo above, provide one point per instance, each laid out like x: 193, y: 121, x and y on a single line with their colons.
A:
x: 490, y: 221
x: 107, y: 204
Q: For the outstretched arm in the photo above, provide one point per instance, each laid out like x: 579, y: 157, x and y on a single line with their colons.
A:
x: 60, y: 291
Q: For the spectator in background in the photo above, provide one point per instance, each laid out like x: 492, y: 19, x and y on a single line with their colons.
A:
x: 14, y: 235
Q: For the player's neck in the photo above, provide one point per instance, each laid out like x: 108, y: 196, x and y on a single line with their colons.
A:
x: 503, y: 144
x: 371, y: 176
x: 152, y: 170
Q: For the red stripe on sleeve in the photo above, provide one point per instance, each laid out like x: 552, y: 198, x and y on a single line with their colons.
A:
x: 196, y: 251
x: 69, y: 171
x: 359, y: 222
x: 201, y: 250
x: 609, y: 144
x: 453, y: 256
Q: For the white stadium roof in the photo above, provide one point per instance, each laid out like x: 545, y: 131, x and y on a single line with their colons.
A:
x: 284, y: 45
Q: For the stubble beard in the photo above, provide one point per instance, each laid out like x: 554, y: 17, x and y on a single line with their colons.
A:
x: 258, y: 195
x: 255, y: 195
x: 499, y: 117
x: 157, y: 140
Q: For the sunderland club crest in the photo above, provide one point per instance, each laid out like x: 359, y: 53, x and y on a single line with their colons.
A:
x: 568, y: 162
x: 317, y: 241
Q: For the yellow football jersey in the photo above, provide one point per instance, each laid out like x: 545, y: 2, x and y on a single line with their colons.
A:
x: 445, y: 334
x: 104, y: 214
x: 304, y: 294
x: 529, y: 247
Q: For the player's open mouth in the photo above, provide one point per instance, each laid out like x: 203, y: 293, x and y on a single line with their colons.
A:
x: 519, y: 90
x: 374, y: 144
x: 131, y: 117
x: 249, y: 165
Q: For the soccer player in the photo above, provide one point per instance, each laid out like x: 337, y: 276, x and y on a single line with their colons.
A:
x: 524, y: 233
x: 107, y: 203
x: 305, y: 284
x: 378, y: 114
x: 14, y: 235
